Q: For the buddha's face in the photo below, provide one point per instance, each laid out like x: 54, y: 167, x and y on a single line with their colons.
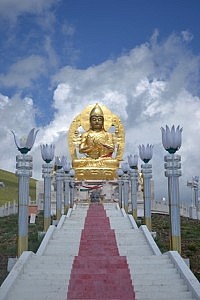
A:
x: 96, y: 122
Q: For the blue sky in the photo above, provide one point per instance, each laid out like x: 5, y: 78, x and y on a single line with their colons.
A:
x: 140, y: 58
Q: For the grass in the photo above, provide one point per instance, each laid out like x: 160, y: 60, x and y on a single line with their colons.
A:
x: 9, y: 225
x: 190, y: 239
x: 10, y: 191
x: 8, y: 239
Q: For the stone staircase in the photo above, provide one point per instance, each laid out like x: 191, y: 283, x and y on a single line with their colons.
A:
x: 46, y: 274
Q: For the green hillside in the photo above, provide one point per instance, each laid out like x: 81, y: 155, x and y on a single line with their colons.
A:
x: 10, y: 191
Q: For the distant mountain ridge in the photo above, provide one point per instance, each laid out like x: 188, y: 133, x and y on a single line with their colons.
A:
x: 9, y: 191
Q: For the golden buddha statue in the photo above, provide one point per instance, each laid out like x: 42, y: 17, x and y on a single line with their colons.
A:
x: 96, y: 152
x: 96, y: 142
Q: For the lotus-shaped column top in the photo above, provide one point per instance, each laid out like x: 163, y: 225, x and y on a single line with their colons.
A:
x: 171, y: 139
x: 146, y: 153
x: 133, y: 161
x: 25, y: 143
x: 47, y: 152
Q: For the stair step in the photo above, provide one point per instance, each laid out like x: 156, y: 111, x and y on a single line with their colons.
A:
x: 153, y: 279
x: 154, y: 271
x: 159, y: 295
x: 160, y: 287
x: 46, y: 295
x: 44, y: 280
x: 145, y: 284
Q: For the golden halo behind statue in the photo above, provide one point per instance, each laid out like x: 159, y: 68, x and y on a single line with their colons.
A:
x: 83, y: 120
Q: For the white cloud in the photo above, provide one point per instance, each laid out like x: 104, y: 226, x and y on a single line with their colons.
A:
x: 153, y: 85
x: 187, y: 35
x: 3, y: 101
x: 18, y: 115
x: 68, y: 29
x: 22, y: 73
x: 51, y: 54
x: 11, y: 9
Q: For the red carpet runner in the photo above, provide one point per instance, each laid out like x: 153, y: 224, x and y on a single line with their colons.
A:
x: 98, y: 272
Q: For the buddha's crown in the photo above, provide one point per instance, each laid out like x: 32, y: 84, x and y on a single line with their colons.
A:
x: 96, y: 111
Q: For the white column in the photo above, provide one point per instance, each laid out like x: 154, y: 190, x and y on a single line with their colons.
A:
x: 173, y: 172
x: 71, y: 191
x: 134, y: 180
x: 147, y: 175
x: 120, y: 190
x: 46, y: 170
x: 59, y: 193
x: 24, y: 167
x: 125, y: 193
x: 66, y: 193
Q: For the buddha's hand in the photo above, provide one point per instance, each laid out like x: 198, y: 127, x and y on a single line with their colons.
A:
x: 104, y: 142
x: 98, y: 141
x: 90, y: 141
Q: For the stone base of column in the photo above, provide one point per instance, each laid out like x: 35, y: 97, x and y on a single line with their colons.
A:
x: 134, y: 213
x: 175, y: 243
x: 147, y: 222
x: 22, y: 245
x: 66, y: 207
x: 47, y: 223
x: 58, y: 214
x: 126, y: 208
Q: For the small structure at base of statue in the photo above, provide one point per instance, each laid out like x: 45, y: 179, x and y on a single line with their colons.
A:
x: 95, y: 196
x: 96, y: 143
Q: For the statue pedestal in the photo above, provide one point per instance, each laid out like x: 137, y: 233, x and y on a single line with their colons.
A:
x: 95, y: 169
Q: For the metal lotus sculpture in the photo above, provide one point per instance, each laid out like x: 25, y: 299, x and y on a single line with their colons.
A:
x: 125, y: 167
x: 58, y: 163
x: 24, y: 144
x: 47, y: 152
x: 133, y: 161
x: 66, y: 163
x: 146, y: 153
x: 171, y: 139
